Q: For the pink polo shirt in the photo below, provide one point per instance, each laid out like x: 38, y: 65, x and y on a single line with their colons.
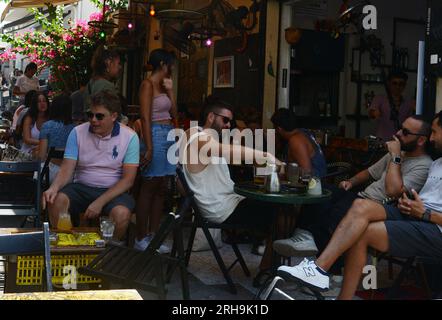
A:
x: 385, y: 128
x: 100, y: 160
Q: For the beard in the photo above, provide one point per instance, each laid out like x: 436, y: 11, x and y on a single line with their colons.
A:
x: 215, y: 127
x: 409, y: 147
x: 435, y: 150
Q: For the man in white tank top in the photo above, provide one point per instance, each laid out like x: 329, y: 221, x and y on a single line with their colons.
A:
x: 208, y: 175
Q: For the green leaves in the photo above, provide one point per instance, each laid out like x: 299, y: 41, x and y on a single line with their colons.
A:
x: 66, y: 51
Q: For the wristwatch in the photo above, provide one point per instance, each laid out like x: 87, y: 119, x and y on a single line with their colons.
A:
x: 427, y: 215
x: 396, y: 159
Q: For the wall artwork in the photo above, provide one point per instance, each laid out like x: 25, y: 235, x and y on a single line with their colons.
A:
x: 224, y: 72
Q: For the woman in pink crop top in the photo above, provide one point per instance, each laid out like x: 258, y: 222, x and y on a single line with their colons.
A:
x: 157, y: 110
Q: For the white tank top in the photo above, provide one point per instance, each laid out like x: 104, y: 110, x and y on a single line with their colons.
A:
x: 212, y: 188
x: 35, y: 134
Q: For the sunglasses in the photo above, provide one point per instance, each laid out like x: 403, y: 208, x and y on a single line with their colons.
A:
x: 407, y: 132
x: 226, y: 120
x: 98, y: 116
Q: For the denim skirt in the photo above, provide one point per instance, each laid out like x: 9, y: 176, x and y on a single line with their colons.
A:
x: 159, y: 165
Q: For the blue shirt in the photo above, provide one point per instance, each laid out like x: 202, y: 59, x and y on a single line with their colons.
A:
x: 56, y: 132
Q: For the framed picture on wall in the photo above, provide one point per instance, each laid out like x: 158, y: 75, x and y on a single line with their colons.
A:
x: 224, y: 72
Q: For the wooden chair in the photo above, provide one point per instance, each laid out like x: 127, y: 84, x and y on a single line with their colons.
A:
x: 200, y: 222
x: 20, y: 193
x: 414, y: 265
x: 147, y: 270
x: 29, y: 243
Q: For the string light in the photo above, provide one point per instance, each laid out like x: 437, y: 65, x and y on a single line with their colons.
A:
x: 152, y: 10
x: 102, y: 34
x: 130, y: 25
x: 209, y: 42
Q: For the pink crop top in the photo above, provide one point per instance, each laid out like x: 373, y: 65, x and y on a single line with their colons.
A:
x: 161, y: 106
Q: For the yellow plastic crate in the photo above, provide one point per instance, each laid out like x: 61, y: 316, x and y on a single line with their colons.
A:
x: 30, y: 268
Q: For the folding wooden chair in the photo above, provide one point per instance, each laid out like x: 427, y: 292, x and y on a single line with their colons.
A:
x: 29, y: 243
x: 147, y: 270
x: 414, y: 265
x: 200, y: 222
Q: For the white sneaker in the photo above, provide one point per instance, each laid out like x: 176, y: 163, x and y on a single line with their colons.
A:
x: 307, y: 273
x: 144, y: 243
x: 301, y: 244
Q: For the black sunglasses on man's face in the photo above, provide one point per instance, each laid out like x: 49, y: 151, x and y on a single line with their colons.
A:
x: 406, y: 132
x: 98, y: 116
x: 226, y: 120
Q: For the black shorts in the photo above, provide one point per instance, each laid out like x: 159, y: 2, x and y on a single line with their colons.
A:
x: 409, y: 237
x: 81, y: 196
x: 253, y: 214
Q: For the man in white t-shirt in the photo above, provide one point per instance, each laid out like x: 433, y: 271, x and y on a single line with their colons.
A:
x: 414, y: 228
x: 28, y: 81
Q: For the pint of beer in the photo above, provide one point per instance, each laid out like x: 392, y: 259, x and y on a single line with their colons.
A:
x: 64, y: 222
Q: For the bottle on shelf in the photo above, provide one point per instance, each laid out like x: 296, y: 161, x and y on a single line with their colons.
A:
x: 328, y: 110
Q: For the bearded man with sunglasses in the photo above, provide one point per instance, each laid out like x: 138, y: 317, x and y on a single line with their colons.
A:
x: 102, y: 156
x: 404, y: 168
x: 204, y: 157
x: 391, y: 110
x: 413, y: 228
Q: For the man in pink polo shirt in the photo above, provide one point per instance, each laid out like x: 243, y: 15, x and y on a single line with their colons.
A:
x: 390, y: 117
x: 102, y: 156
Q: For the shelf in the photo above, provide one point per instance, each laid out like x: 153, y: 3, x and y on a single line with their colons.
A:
x: 389, y: 66
x: 315, y: 121
x: 367, y: 81
x: 321, y: 118
x: 356, y: 117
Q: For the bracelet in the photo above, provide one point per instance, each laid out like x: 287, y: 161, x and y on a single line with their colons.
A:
x: 426, y: 216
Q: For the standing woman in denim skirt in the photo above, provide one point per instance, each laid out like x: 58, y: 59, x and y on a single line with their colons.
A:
x: 157, y: 109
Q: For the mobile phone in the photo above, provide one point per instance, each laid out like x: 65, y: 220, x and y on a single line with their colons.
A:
x: 410, y: 195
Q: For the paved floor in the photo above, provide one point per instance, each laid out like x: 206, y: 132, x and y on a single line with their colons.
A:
x: 207, y: 283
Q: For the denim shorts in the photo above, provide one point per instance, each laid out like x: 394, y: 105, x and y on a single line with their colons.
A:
x: 160, y: 166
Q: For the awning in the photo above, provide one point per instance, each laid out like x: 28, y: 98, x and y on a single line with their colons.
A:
x: 38, y: 3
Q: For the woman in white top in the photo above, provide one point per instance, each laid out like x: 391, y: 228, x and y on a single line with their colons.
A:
x: 28, y: 81
x: 34, y: 119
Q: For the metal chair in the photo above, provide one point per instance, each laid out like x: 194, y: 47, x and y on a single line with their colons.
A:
x: 29, y: 243
x: 270, y: 288
x: 20, y: 189
x: 148, y: 270
x: 200, y: 222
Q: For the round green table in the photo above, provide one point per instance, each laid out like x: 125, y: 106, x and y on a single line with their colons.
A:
x: 253, y: 192
x: 285, y: 200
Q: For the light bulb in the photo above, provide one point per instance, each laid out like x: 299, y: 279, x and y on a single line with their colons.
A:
x: 209, y: 42
x: 152, y: 10
x: 130, y: 25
